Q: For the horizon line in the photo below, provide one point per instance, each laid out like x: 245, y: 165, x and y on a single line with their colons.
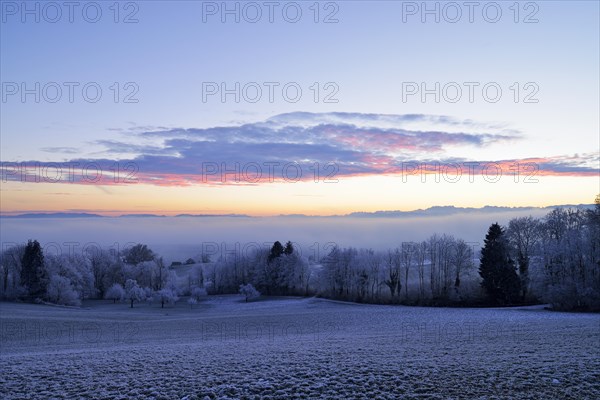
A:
x: 174, y: 214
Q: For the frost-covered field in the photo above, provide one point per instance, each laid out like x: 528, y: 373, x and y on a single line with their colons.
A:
x: 296, y: 348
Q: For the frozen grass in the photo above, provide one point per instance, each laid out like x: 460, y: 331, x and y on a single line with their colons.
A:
x: 296, y: 348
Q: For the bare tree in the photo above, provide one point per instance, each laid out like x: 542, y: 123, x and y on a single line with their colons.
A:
x: 408, y: 250
x: 433, y: 244
x: 462, y: 258
x: 421, y: 256
x: 393, y: 272
x: 374, y: 262
x: 523, y: 235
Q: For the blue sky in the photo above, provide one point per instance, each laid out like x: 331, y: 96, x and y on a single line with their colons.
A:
x: 368, y: 55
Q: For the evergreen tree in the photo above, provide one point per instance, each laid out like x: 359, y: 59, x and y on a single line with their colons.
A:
x: 289, y: 249
x: 276, y: 251
x: 500, y: 279
x: 32, y: 272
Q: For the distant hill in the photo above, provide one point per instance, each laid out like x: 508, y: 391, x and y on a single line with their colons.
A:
x: 451, y: 210
x: 436, y: 211
x: 54, y: 215
x: 211, y: 215
x: 141, y: 216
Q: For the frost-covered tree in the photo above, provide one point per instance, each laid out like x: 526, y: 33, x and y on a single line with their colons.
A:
x: 108, y: 268
x: 10, y: 266
x: 462, y: 260
x: 196, y: 277
x: 286, y: 274
x: 115, y: 293
x: 293, y: 274
x: 523, y: 234
x: 94, y: 255
x: 149, y: 294
x: 60, y: 291
x: 133, y: 292
x: 407, y: 255
x: 167, y: 295
x: 421, y: 257
x: 593, y: 220
x: 375, y: 270
x: 393, y: 269
x: 74, y: 267
x: 497, y: 270
x: 332, y: 274
x: 432, y: 247
x: 192, y: 302
x: 170, y: 292
x: 571, y: 260
x: 440, y: 251
x: 249, y: 292
x: 158, y: 272
x: 198, y: 293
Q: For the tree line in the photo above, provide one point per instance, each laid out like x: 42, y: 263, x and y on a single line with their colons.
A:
x: 554, y: 259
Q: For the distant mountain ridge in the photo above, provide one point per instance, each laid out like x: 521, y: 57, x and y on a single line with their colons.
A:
x: 54, y: 215
x: 431, y: 211
x: 212, y: 215
x: 451, y: 210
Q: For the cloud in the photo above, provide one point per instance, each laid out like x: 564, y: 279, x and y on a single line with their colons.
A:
x: 380, y: 120
x: 63, y: 150
x: 311, y: 136
x: 117, y: 147
x: 345, y: 144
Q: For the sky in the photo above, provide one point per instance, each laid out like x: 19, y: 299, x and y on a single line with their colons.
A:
x: 301, y: 107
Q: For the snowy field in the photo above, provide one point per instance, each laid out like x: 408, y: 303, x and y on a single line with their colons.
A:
x: 296, y: 348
